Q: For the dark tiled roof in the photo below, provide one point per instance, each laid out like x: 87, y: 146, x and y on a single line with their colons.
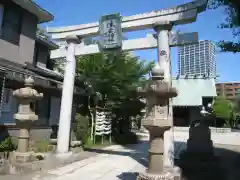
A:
x: 32, y: 7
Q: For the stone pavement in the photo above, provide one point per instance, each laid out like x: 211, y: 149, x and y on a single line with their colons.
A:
x: 122, y: 163
x: 113, y: 163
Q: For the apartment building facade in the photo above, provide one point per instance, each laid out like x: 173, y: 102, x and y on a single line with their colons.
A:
x: 230, y: 90
x: 197, y: 59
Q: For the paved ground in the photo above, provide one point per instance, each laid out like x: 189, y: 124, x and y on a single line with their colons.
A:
x: 111, y: 163
x: 119, y: 163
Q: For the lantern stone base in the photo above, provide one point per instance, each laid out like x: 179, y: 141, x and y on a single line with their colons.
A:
x: 20, y: 157
x: 175, y: 171
x: 165, y: 175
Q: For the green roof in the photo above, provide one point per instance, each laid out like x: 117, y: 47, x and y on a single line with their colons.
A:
x: 191, y: 91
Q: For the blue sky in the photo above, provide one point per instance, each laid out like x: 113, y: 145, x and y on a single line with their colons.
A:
x: 72, y: 12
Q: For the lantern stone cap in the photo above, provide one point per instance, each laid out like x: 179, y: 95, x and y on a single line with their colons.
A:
x: 157, y: 71
x: 28, y: 92
x: 29, y: 81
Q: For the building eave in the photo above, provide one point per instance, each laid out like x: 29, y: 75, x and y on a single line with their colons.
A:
x: 45, y: 42
x: 17, y: 73
x: 32, y: 7
x: 78, y: 82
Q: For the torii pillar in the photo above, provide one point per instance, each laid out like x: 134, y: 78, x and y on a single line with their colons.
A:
x: 163, y: 29
x: 63, y: 139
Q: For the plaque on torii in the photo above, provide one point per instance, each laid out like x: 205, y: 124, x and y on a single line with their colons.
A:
x: 110, y: 31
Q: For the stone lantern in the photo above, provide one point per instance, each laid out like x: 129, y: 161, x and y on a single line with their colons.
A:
x: 25, y: 116
x: 157, y: 94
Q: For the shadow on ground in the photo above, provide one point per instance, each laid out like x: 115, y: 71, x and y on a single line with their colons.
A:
x: 128, y: 176
x: 138, y: 152
x: 203, y: 161
x: 225, y: 165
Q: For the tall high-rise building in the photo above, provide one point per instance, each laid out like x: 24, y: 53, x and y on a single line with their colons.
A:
x: 197, y: 59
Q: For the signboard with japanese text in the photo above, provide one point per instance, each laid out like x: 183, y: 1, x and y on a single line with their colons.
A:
x: 110, y: 31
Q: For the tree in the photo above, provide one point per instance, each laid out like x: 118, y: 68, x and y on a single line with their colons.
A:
x: 236, y: 106
x: 232, y: 21
x: 115, y: 78
x: 222, y: 108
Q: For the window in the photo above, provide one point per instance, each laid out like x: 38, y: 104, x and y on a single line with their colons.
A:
x: 6, y: 96
x: 237, y: 90
x: 11, y: 25
x: 41, y: 55
x: 6, y: 100
x: 1, y: 16
x: 229, y: 95
x: 42, y: 109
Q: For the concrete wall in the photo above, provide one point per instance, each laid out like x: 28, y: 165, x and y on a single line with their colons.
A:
x: 24, y: 52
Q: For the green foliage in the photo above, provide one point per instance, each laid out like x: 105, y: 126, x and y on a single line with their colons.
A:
x: 42, y: 146
x: 114, y: 77
x: 237, y: 105
x: 82, y: 128
x: 232, y: 21
x: 7, y: 145
x: 222, y: 108
x: 228, y: 46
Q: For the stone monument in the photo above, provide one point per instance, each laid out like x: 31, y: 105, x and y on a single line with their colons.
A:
x: 157, y: 93
x: 199, y: 159
x: 199, y: 141
x: 24, y: 118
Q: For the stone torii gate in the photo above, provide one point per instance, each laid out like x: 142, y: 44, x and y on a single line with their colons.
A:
x: 161, y: 21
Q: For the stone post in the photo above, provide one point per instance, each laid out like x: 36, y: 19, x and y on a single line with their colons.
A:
x: 163, y: 29
x: 67, y: 97
x: 25, y: 117
x: 157, y: 94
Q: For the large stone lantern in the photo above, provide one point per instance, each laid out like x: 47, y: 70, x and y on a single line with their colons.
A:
x: 25, y: 116
x: 157, y: 93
